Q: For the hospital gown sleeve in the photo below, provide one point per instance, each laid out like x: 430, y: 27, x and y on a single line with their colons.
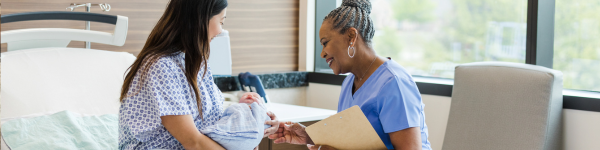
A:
x: 171, y: 90
x: 165, y: 92
x: 400, y: 105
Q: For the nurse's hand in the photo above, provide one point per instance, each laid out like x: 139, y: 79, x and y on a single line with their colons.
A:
x: 274, y: 122
x: 319, y: 147
x: 293, y: 133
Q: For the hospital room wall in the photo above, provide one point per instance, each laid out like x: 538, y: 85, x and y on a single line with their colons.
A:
x: 581, y: 129
x: 292, y: 96
x: 264, y: 33
x: 142, y: 14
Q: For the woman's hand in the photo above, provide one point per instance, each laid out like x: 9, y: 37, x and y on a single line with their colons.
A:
x: 293, y: 133
x: 274, y: 122
x: 319, y: 147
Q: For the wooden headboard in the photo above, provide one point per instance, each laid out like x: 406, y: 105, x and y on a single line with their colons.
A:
x: 264, y: 33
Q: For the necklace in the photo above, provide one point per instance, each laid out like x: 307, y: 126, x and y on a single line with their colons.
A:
x: 360, y: 79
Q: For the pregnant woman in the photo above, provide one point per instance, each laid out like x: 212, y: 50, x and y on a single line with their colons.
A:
x: 382, y: 89
x: 169, y: 95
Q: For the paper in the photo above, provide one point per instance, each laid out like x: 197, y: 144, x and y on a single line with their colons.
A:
x: 348, y: 129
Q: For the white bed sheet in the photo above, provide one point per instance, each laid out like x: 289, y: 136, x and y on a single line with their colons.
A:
x: 43, y: 81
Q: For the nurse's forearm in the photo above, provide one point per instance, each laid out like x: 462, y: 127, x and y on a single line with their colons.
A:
x: 407, y: 139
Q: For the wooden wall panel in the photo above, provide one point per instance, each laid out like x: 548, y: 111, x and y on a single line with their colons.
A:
x: 142, y: 14
x: 264, y: 33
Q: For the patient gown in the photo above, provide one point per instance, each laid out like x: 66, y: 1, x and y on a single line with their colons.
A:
x: 165, y: 92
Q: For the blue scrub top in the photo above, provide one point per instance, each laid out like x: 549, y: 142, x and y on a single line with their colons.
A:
x: 390, y: 100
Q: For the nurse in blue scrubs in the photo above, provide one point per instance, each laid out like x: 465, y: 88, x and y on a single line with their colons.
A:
x: 382, y: 88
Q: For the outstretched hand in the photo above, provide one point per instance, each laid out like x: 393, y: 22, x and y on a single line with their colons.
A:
x: 274, y: 122
x: 290, y: 132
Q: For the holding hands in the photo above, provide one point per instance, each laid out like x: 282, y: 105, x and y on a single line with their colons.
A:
x: 284, y: 132
x: 290, y: 132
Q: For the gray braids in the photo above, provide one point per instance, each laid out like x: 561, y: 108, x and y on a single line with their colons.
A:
x: 353, y: 13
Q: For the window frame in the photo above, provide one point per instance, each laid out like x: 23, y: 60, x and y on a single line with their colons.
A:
x: 539, y: 51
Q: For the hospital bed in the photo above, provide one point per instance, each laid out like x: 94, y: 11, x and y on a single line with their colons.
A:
x: 41, y: 76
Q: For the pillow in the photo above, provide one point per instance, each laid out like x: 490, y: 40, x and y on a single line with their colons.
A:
x: 45, y: 80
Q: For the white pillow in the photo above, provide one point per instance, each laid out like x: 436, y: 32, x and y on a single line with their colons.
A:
x: 46, y: 80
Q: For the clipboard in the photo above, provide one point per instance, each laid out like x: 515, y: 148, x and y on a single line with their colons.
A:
x: 348, y: 129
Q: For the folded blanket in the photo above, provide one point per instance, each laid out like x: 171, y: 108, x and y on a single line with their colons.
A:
x: 62, y: 130
x: 240, y: 127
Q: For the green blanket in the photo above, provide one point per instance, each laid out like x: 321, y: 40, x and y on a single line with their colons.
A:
x: 62, y: 130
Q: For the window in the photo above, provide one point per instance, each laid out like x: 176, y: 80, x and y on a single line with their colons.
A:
x: 577, y: 43
x: 431, y: 37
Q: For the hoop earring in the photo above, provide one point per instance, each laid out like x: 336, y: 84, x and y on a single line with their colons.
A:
x: 353, y: 51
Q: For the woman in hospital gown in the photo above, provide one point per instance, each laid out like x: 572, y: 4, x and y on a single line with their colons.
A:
x: 169, y: 95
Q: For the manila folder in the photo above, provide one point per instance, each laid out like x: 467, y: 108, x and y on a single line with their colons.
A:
x: 348, y: 129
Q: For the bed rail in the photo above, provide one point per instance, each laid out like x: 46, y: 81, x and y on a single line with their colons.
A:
x: 61, y: 37
x: 59, y: 15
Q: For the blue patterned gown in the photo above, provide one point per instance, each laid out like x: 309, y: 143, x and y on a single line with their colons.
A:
x: 165, y: 92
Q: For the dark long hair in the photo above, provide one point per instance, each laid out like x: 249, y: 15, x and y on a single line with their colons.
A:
x: 182, y: 28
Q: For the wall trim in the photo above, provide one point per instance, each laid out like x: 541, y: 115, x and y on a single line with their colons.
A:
x: 306, y: 39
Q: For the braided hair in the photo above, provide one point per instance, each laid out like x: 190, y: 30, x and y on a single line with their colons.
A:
x: 353, y: 13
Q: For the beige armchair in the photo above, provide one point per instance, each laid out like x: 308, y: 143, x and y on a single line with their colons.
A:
x: 502, y: 106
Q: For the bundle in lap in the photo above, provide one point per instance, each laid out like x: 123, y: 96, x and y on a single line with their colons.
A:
x: 241, y: 127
